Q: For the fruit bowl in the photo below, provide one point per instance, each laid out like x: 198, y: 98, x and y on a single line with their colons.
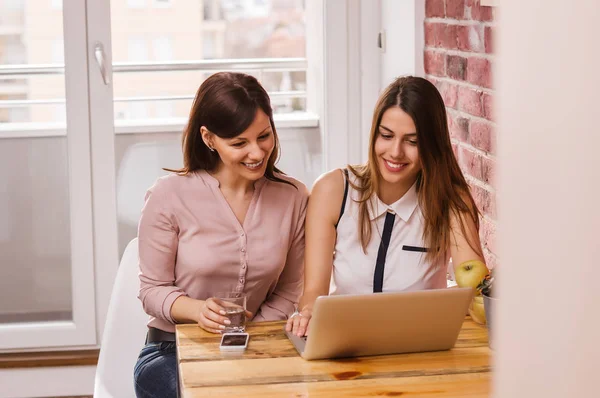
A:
x: 489, y: 303
x: 477, y: 310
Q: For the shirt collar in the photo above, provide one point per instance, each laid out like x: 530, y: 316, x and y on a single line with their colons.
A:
x: 403, y: 207
x: 213, y: 182
x: 207, y: 178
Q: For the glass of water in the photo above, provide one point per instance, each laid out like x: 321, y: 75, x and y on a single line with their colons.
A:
x: 234, y: 304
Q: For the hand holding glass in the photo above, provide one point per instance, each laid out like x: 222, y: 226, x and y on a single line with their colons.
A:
x: 234, y: 306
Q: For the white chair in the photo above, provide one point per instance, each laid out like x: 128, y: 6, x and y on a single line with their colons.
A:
x: 139, y: 168
x: 124, y: 332
x: 141, y: 165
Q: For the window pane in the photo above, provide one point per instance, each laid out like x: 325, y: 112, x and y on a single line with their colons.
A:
x: 35, y: 234
x: 35, y: 217
x: 162, y: 48
x: 137, y: 49
x: 237, y: 29
x: 165, y: 109
x: 158, y: 31
x: 132, y: 88
x: 143, y: 96
x: 33, y: 35
x: 47, y: 90
x: 13, y: 50
x: 58, y: 51
x: 209, y: 46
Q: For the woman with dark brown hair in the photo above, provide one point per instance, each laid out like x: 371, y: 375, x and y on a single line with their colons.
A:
x: 228, y: 221
x: 391, y: 224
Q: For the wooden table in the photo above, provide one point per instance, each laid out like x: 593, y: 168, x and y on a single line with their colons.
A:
x: 271, y: 367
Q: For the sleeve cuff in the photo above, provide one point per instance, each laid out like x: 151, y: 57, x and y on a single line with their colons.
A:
x: 168, y: 303
x: 276, y: 310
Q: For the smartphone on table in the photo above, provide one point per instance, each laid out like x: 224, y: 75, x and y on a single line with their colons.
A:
x: 234, y: 341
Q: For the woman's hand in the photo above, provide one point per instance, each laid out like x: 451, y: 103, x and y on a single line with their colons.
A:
x: 212, y: 316
x: 322, y: 216
x: 298, y: 322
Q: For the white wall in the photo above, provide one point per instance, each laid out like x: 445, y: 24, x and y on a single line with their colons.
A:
x: 548, y: 199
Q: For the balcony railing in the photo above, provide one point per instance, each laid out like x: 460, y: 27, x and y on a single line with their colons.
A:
x: 257, y: 67
x: 260, y: 65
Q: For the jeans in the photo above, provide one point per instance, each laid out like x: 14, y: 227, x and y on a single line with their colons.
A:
x: 155, y: 372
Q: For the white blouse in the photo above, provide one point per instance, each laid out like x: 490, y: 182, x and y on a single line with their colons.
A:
x: 405, y: 268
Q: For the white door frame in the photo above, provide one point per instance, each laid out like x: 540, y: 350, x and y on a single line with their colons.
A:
x: 356, y: 69
x: 351, y: 79
x: 403, y: 25
x: 106, y: 255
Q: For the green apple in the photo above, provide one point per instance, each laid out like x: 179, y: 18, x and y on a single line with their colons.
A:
x: 470, y: 273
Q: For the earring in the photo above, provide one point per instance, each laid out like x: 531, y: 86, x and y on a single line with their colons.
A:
x: 211, y: 149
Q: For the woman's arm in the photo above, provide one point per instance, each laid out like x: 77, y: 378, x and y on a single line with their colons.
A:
x: 186, y: 310
x: 280, y: 304
x: 158, y: 242
x: 464, y: 245
x: 321, y: 217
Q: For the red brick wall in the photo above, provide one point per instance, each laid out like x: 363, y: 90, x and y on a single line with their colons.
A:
x: 459, y: 60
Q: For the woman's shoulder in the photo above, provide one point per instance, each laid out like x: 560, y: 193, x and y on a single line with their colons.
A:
x: 171, y: 183
x: 331, y: 182
x: 297, y: 188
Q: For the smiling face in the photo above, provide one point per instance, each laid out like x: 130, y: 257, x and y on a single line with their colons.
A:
x: 396, y: 148
x: 247, y: 154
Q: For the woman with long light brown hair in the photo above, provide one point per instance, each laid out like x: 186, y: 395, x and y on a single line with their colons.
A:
x: 393, y: 223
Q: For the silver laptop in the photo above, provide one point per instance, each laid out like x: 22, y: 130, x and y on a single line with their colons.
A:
x: 384, y: 323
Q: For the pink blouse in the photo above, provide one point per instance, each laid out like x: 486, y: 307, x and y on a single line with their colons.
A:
x: 191, y: 243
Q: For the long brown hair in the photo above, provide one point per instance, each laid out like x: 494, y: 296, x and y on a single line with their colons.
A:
x: 226, y: 104
x: 441, y: 187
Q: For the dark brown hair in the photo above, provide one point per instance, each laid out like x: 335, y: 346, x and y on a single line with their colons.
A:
x: 226, y: 104
x: 441, y: 187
